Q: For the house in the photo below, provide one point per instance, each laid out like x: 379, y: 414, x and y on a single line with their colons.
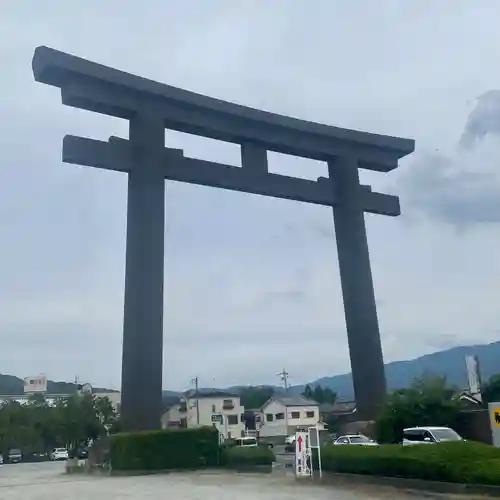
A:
x: 282, y: 416
x: 219, y: 409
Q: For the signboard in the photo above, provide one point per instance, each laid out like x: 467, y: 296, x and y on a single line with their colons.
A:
x: 217, y: 418
x: 302, y: 454
x: 473, y: 376
x: 314, y: 443
x: 494, y: 411
x: 35, y: 384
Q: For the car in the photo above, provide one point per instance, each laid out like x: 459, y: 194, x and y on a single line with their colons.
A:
x: 82, y: 453
x: 429, y: 435
x: 246, y: 442
x: 59, y: 454
x: 290, y: 439
x: 1, y: 459
x: 14, y: 456
x: 355, y: 439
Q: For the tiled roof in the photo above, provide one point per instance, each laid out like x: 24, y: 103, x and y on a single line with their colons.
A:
x: 293, y: 401
x: 210, y: 394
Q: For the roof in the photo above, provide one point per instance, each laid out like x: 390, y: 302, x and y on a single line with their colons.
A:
x: 338, y: 408
x: 426, y: 428
x: 94, y: 87
x: 291, y: 401
x: 201, y: 394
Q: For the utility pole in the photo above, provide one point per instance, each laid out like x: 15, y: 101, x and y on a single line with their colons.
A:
x: 284, y: 378
x: 194, y: 381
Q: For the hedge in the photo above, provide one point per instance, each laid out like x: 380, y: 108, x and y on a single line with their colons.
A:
x: 165, y: 449
x: 464, y: 462
x: 239, y: 456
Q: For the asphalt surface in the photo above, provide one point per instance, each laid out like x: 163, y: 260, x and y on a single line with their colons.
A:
x: 44, y: 481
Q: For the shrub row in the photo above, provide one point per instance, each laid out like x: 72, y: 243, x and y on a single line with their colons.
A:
x: 178, y: 449
x: 466, y: 462
x: 165, y: 449
x: 237, y: 456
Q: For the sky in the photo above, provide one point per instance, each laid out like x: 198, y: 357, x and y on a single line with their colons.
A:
x: 261, y: 274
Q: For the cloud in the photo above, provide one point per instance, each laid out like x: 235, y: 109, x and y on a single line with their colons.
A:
x: 461, y: 187
x: 252, y: 284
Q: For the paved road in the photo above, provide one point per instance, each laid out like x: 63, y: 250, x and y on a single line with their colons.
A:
x: 46, y: 481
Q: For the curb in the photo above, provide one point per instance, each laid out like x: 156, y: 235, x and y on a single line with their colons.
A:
x: 410, y: 484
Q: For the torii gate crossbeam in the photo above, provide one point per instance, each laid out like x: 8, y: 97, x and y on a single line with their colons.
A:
x: 151, y: 107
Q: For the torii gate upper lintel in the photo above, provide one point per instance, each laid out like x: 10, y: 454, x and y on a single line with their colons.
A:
x: 151, y: 107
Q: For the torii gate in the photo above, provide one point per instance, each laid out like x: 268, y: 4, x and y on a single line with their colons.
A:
x: 151, y: 107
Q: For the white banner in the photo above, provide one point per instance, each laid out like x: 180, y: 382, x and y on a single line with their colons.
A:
x: 35, y: 384
x: 473, y: 376
x: 302, y: 454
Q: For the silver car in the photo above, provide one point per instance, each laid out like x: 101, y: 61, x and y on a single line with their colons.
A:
x: 355, y: 439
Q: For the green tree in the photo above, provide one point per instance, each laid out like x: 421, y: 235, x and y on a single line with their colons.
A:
x: 491, y: 389
x: 254, y: 397
x: 320, y: 394
x: 428, y: 401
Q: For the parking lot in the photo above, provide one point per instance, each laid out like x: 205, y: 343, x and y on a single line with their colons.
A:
x: 44, y: 481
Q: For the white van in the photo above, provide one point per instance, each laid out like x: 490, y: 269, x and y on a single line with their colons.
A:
x: 429, y: 435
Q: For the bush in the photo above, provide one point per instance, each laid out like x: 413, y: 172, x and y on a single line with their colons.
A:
x: 165, y: 449
x: 239, y: 456
x: 466, y: 462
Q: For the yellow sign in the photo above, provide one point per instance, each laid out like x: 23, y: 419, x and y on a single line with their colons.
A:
x: 496, y: 416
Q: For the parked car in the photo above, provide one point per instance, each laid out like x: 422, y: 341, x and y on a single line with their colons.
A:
x: 82, y: 453
x: 14, y: 456
x: 355, y: 439
x: 290, y: 439
x: 429, y: 435
x: 1, y: 459
x: 246, y: 442
x: 59, y: 454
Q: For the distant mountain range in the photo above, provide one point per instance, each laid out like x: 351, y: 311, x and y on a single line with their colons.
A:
x: 449, y: 363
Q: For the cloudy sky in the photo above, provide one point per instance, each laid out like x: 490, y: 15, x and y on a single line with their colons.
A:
x: 261, y: 274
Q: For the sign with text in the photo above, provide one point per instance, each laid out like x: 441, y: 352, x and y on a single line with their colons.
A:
x: 35, y: 384
x: 302, y: 454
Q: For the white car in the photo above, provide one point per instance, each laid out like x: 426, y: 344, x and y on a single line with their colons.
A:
x: 355, y: 439
x: 59, y: 454
x: 290, y: 439
x: 429, y: 435
x: 1, y: 459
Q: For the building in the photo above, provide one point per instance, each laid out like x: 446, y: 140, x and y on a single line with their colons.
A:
x: 219, y: 409
x: 282, y: 416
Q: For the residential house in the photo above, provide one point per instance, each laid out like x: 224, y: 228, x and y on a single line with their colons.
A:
x: 282, y: 416
x: 219, y: 409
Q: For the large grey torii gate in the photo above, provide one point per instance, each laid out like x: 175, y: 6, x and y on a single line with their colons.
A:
x: 152, y: 107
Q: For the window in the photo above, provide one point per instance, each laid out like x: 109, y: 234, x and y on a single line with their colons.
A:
x: 309, y: 414
x: 213, y: 408
x: 257, y: 418
x: 414, y: 435
x: 232, y: 420
x: 269, y: 417
x: 280, y: 416
x: 242, y: 417
x: 295, y: 414
x: 227, y: 404
x: 342, y: 440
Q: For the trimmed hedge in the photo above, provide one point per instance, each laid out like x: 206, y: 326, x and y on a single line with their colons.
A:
x: 165, y: 449
x: 463, y: 462
x: 239, y: 456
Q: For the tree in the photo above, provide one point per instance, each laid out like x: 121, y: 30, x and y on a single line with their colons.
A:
x: 320, y: 394
x: 491, y: 389
x: 428, y: 401
x: 255, y: 397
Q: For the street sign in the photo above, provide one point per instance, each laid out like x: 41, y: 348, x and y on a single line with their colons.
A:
x: 494, y: 411
x: 302, y: 454
x: 496, y: 416
x: 314, y: 443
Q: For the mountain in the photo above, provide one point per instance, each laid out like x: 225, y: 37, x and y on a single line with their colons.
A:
x: 14, y: 386
x: 449, y: 363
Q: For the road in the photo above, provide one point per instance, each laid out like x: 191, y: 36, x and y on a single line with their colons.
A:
x: 46, y: 481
